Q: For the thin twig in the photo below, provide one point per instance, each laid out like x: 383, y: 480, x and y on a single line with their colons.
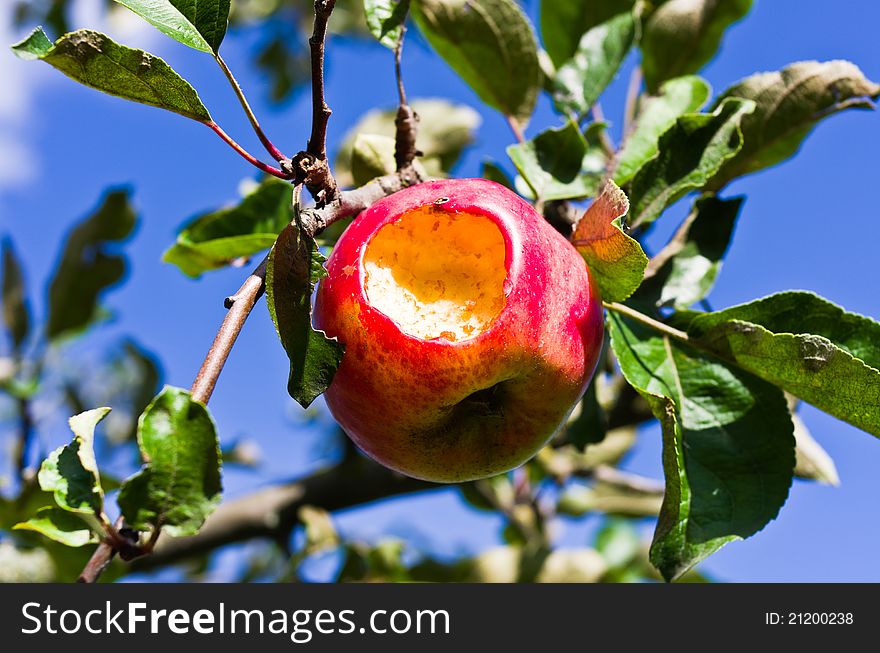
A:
x: 604, y: 138
x: 320, y: 110
x: 247, y: 156
x: 310, y: 167
x: 239, y: 305
x: 516, y: 129
x: 99, y: 561
x: 632, y: 99
x: 270, y: 147
x: 649, y: 322
x: 407, y: 120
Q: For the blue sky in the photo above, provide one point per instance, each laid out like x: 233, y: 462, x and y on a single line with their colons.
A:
x: 810, y: 224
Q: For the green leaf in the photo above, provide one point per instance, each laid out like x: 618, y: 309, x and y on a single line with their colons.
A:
x: 616, y: 261
x: 580, y: 81
x: 93, y: 59
x: 790, y: 103
x: 690, y: 153
x: 559, y: 164
x: 685, y: 270
x: 88, y: 266
x: 564, y: 22
x: 294, y: 266
x: 728, y: 444
x: 385, y: 18
x: 71, y: 471
x: 682, y: 36
x: 16, y: 312
x: 371, y: 156
x: 200, y: 24
x: 445, y: 130
x: 493, y: 172
x: 807, y: 346
x: 179, y: 484
x: 657, y: 114
x: 62, y: 526
x: 216, y: 239
x: 491, y: 45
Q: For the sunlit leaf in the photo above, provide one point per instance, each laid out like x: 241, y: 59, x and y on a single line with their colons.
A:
x: 616, y: 261
x: 691, y: 152
x: 491, y: 45
x: 94, y: 59
x: 681, y: 36
x: 179, y: 484
x: 728, y: 444
x: 294, y: 266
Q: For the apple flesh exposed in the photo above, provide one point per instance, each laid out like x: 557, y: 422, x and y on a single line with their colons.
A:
x: 471, y: 329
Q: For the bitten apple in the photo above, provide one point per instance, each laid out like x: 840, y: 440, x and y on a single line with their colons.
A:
x: 471, y: 329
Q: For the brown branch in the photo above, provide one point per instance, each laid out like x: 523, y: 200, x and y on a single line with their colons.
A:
x: 239, y: 305
x: 407, y: 120
x: 311, y: 167
x: 272, y: 513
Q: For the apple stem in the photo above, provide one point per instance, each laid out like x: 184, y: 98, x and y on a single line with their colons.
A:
x: 270, y: 147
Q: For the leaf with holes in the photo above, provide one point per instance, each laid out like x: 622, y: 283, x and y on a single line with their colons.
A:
x: 690, y: 153
x: 94, y: 59
x: 616, y: 261
x: 219, y: 238
x: 179, y: 484
x: 491, y: 45
x: 728, y: 444
x: 807, y: 346
x: 294, y: 266
x: 789, y: 104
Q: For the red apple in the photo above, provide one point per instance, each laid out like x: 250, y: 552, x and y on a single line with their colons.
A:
x: 471, y: 329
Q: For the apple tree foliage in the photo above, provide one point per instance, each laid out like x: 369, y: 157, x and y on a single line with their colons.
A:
x: 723, y: 384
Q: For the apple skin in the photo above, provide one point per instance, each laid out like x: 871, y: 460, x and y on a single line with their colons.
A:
x: 456, y: 411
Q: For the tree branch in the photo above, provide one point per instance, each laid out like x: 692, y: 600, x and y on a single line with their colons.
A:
x: 407, y: 120
x: 272, y: 512
x: 310, y: 167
